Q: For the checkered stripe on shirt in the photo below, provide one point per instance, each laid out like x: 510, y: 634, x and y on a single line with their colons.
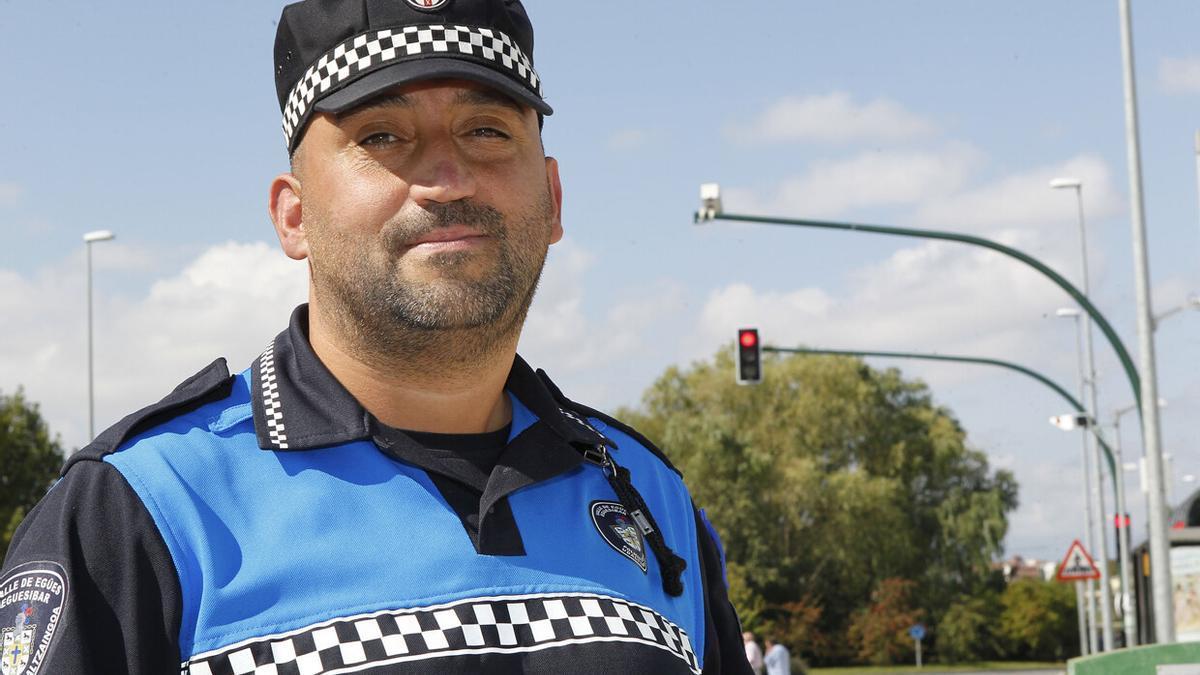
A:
x: 272, y: 407
x: 511, y: 624
x: 364, y: 53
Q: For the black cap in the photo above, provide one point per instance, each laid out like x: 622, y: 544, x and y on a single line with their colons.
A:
x: 331, y: 55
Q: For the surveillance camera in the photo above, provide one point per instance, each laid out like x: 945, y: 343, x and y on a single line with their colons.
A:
x: 710, y: 201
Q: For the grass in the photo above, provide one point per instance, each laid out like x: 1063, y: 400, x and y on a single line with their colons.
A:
x: 936, y: 668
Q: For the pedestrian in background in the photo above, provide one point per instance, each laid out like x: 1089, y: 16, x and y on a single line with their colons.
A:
x: 753, y: 653
x: 778, y: 659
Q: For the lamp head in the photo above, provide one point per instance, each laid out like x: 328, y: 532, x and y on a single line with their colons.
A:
x: 1063, y: 182
x: 1066, y: 312
x: 98, y: 235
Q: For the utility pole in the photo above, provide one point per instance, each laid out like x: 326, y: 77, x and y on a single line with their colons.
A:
x: 1160, y: 568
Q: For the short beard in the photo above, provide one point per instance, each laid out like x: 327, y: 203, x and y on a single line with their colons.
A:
x: 389, y: 322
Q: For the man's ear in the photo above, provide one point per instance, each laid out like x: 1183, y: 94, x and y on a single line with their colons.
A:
x: 288, y: 216
x: 556, y: 193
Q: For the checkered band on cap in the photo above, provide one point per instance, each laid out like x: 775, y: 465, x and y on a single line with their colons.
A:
x: 370, y: 51
x: 507, y: 624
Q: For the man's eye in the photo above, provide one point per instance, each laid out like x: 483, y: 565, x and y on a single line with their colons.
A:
x: 488, y: 132
x: 380, y: 138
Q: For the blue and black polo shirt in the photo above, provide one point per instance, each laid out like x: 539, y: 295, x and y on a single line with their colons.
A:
x: 265, y: 522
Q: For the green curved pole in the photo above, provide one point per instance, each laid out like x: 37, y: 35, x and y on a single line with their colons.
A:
x: 1119, y: 347
x: 1112, y: 464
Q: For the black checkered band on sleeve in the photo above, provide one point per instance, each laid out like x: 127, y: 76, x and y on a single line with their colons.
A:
x: 370, y: 51
x: 494, y: 625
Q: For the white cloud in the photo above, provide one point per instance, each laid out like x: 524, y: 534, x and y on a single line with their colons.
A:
x: 229, y: 302
x: 935, y: 185
x: 1025, y: 199
x: 559, y: 335
x: 933, y: 297
x: 10, y: 194
x: 1050, y: 506
x: 234, y: 297
x: 1180, y: 76
x: 831, y: 188
x: 833, y: 118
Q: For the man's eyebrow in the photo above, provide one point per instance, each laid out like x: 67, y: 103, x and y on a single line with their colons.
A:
x: 389, y: 101
x: 464, y: 97
x: 487, y: 97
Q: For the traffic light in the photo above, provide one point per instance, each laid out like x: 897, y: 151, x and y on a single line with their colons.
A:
x: 749, y: 356
x: 1122, y: 523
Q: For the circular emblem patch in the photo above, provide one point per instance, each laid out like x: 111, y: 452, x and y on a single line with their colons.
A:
x: 32, y: 598
x: 428, y: 4
x: 620, y: 531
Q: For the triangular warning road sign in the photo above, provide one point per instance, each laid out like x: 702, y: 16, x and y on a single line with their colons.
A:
x: 1077, y: 565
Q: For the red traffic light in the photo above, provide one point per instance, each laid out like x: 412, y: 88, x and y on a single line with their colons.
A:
x: 749, y: 356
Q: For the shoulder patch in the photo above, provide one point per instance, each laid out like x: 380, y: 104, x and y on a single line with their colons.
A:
x: 210, y: 384
x: 614, y: 523
x: 33, y: 597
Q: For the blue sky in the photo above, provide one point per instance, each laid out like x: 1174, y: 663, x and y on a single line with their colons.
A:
x: 159, y: 121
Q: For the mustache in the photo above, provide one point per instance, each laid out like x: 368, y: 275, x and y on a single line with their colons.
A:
x: 411, y: 226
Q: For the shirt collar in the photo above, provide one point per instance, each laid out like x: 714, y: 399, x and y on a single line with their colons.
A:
x: 300, y: 405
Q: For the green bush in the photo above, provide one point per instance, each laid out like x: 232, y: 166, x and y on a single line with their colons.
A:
x: 965, y: 631
x: 1038, y: 621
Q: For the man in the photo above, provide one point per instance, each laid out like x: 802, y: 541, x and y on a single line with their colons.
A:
x: 388, y: 488
x: 754, y: 655
x: 778, y: 659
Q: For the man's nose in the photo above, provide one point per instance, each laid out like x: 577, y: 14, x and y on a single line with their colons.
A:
x: 442, y: 175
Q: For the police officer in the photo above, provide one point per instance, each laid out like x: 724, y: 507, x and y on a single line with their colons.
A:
x: 388, y: 488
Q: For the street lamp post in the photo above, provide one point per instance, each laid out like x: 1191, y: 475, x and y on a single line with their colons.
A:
x: 1094, y: 533
x: 1089, y: 379
x: 89, y: 239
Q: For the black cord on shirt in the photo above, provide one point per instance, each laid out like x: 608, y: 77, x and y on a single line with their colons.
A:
x: 670, y: 566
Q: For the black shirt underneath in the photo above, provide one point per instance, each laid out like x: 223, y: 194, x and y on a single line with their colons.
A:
x: 470, y: 458
x: 460, y: 465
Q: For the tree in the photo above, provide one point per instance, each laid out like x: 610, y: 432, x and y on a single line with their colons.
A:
x: 797, y: 625
x: 880, y: 631
x: 827, y: 478
x: 1038, y: 620
x: 29, y: 461
x: 965, y: 630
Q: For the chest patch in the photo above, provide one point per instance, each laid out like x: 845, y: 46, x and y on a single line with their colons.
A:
x: 618, y: 529
x: 32, y: 598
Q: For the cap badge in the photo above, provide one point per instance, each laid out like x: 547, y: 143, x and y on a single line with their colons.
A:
x: 428, y: 4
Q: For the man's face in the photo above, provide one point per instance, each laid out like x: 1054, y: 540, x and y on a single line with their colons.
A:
x: 431, y: 206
